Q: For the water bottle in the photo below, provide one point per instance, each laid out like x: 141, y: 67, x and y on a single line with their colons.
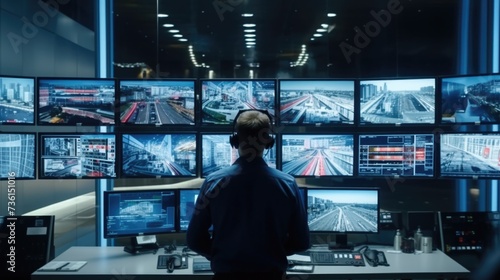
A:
x: 418, y: 240
x: 398, y: 239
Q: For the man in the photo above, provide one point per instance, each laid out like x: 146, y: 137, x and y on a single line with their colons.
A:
x: 257, y: 213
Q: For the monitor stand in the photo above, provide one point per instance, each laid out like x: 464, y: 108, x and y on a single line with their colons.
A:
x: 340, y: 243
x: 142, y: 245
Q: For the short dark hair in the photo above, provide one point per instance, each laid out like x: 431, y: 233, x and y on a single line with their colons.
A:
x: 254, y: 124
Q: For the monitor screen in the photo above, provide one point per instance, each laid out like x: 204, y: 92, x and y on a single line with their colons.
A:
x: 472, y: 155
x: 222, y: 99
x: 187, y: 200
x: 17, y: 100
x: 139, y: 212
x: 76, y: 101
x: 398, y: 101
x: 317, y: 155
x: 217, y: 153
x: 391, y: 220
x: 471, y: 99
x: 316, y: 101
x: 159, y: 155
x: 77, y: 156
x: 349, y: 210
x: 17, y: 156
x: 468, y: 232
x: 158, y: 102
x: 410, y: 155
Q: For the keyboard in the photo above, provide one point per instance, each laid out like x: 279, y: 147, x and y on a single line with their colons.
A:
x: 340, y: 258
x: 201, y: 265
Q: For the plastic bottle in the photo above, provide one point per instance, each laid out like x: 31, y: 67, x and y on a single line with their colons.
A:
x: 398, y: 239
x: 418, y: 240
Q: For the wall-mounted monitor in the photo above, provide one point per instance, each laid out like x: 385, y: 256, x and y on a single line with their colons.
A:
x: 217, y: 153
x: 317, y: 155
x: 406, y: 155
x: 76, y: 101
x: 139, y: 212
x: 222, y: 99
x: 157, y: 102
x: 398, y: 101
x: 77, y: 156
x: 473, y: 155
x: 17, y: 100
x: 17, y: 156
x: 157, y: 155
x: 314, y: 102
x: 471, y: 99
x: 343, y: 211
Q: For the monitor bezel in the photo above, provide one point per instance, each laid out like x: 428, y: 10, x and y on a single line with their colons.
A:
x: 350, y: 122
x: 120, y: 144
x: 34, y: 98
x: 354, y: 154
x: 42, y: 136
x: 461, y: 174
x: 119, y: 82
x: 105, y: 199
x: 434, y: 154
x: 442, y: 79
x: 394, y: 124
x: 344, y: 188
x: 231, y: 123
x: 35, y: 153
x: 74, y: 79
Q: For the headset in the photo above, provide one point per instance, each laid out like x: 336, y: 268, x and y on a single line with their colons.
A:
x: 234, y: 140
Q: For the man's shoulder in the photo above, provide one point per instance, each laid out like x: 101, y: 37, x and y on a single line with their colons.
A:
x: 281, y: 175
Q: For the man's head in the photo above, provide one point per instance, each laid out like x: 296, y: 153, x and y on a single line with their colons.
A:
x: 253, y: 129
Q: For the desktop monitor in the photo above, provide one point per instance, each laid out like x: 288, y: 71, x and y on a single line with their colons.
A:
x: 343, y: 211
x: 472, y: 155
x: 159, y: 155
x: 469, y: 232
x: 391, y: 221
x: 217, y: 153
x: 157, y: 102
x: 70, y: 156
x: 132, y: 213
x: 26, y: 243
x: 17, y: 156
x: 398, y: 101
x: 471, y: 99
x: 17, y: 100
x: 317, y: 155
x: 313, y: 102
x: 223, y: 99
x: 76, y: 101
x: 405, y: 155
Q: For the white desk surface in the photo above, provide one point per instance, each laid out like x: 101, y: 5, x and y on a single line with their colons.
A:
x: 109, y: 262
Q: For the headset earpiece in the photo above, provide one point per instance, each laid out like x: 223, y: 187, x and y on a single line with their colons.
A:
x: 234, y: 141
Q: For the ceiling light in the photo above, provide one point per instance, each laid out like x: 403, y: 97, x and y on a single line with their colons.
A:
x: 178, y: 35
x: 317, y: 35
x: 249, y: 25
x: 183, y: 39
x: 173, y: 31
x: 331, y: 15
x: 321, y: 30
x: 312, y: 39
x: 162, y: 15
x: 250, y: 43
x: 168, y: 25
x: 249, y: 39
x: 249, y: 35
x: 249, y: 30
x: 324, y: 25
x: 250, y: 46
x: 247, y: 15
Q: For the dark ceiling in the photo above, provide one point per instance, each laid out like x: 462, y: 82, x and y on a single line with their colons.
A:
x: 419, y: 38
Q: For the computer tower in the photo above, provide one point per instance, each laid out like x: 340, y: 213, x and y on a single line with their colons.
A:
x: 26, y: 244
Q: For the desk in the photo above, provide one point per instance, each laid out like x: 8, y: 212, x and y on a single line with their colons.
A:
x: 113, y: 263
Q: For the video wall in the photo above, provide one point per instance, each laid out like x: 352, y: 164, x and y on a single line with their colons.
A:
x: 428, y: 127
